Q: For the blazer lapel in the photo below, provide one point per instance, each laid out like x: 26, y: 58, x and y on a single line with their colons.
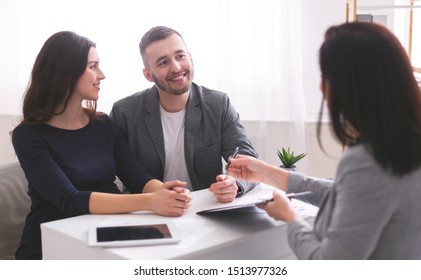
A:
x: 192, y: 124
x: 153, y: 124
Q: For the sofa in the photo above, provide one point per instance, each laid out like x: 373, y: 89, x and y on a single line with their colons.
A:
x: 14, y: 206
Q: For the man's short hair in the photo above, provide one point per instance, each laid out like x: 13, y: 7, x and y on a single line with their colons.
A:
x: 156, y: 33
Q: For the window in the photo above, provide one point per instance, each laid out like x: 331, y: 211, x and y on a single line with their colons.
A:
x: 403, y: 17
x: 415, y: 50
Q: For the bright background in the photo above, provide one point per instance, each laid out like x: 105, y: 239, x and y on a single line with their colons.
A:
x: 262, y: 53
x: 252, y: 50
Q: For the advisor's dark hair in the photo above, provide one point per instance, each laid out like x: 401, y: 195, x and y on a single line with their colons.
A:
x: 371, y: 89
x: 156, y: 33
x: 60, y: 63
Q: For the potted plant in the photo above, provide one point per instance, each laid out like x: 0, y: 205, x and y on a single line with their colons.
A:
x: 288, y: 158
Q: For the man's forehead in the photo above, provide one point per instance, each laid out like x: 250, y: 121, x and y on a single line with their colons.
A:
x: 170, y: 45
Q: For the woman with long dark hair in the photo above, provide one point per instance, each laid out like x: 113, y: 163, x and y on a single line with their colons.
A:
x: 371, y: 210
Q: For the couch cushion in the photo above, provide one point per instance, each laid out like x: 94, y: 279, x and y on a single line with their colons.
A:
x: 14, y: 205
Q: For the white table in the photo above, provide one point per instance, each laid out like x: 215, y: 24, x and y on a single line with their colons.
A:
x: 248, y: 233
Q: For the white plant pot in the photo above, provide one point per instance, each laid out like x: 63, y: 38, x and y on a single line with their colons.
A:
x: 292, y: 168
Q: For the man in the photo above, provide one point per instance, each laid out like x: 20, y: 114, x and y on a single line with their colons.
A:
x: 177, y: 129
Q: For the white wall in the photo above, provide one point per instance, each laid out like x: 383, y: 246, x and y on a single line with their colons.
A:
x: 266, y: 139
x: 317, y: 17
x: 7, y: 123
x: 270, y: 136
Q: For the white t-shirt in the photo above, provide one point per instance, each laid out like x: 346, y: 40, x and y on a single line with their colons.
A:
x: 175, y: 162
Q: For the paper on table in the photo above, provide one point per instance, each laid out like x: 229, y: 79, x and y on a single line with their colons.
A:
x: 255, y: 196
x: 191, y: 231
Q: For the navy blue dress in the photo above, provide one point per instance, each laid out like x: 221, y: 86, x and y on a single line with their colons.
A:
x: 64, y: 166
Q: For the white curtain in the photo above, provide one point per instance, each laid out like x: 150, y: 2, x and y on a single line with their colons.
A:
x: 250, y: 49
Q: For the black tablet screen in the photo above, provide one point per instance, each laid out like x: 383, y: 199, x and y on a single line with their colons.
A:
x: 139, y: 232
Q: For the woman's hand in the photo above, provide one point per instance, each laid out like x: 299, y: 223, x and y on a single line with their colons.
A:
x: 281, y: 208
x: 247, y: 168
x: 175, y: 185
x: 172, y: 199
x: 250, y: 169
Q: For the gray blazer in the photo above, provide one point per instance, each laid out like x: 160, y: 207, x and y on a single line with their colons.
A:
x: 212, y: 130
x: 367, y: 213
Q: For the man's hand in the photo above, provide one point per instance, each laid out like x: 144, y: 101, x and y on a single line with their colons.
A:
x: 225, y: 189
x: 170, y: 202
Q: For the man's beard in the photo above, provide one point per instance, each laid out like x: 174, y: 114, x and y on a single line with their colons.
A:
x: 175, y: 91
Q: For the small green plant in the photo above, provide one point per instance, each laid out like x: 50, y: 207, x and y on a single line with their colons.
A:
x: 288, y: 158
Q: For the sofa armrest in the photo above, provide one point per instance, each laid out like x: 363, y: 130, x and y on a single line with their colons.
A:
x: 14, y: 206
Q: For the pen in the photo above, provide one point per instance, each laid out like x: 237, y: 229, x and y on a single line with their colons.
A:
x: 293, y: 195
x: 234, y: 155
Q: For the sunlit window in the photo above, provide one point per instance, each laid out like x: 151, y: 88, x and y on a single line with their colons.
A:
x: 245, y: 48
x: 416, y: 36
x: 402, y: 17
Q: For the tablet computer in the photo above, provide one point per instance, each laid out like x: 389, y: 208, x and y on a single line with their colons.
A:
x: 133, y: 235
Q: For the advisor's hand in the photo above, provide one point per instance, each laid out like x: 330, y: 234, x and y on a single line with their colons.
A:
x: 247, y: 168
x: 280, y: 208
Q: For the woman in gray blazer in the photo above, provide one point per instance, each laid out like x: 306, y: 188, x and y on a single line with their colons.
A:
x: 371, y: 210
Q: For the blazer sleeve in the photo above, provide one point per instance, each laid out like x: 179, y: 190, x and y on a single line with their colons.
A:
x: 351, y: 221
x: 300, y: 183
x: 233, y: 135
x: 129, y: 169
